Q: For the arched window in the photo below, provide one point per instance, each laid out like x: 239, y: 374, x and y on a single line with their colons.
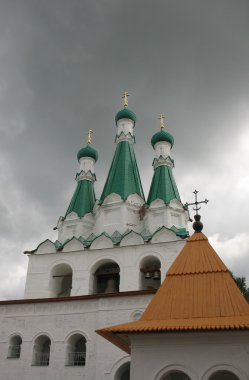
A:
x: 14, y: 350
x: 76, y: 350
x: 106, y: 278
x: 61, y: 281
x: 150, y: 273
x: 123, y: 373
x: 41, y: 351
x: 223, y: 375
x: 176, y: 375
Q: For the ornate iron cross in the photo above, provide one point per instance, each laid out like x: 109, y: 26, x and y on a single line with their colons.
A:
x: 196, y: 202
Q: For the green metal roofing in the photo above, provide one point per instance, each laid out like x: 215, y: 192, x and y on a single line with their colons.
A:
x: 123, y: 177
x: 163, y: 185
x: 125, y: 113
x: 83, y: 199
x: 162, y: 135
x: 88, y: 151
x: 116, y: 237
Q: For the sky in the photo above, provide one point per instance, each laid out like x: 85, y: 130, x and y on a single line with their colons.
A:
x: 63, y: 68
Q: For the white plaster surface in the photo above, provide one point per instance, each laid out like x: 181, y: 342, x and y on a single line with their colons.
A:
x: 86, y: 164
x: 162, y: 148
x: 59, y: 320
x: 84, y: 262
x: 125, y: 126
x: 199, y: 355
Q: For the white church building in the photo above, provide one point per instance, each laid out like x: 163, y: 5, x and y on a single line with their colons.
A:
x: 103, y: 270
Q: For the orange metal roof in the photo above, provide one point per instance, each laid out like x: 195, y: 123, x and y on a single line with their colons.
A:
x: 197, y: 294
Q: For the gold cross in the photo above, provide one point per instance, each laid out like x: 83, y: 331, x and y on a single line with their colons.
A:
x: 161, y: 118
x: 125, y: 97
x: 89, y: 137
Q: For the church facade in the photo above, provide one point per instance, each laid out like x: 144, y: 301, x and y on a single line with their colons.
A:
x: 104, y: 268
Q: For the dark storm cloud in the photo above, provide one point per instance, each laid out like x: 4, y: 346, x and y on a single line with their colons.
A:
x: 63, y: 67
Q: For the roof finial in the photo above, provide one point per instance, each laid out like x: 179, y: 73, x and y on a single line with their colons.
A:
x: 125, y: 97
x: 197, y: 225
x: 161, y: 118
x: 89, y: 136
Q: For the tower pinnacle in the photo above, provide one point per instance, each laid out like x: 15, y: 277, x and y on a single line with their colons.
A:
x: 89, y: 136
x: 125, y: 98
x: 196, y: 202
x: 161, y: 118
x: 197, y: 225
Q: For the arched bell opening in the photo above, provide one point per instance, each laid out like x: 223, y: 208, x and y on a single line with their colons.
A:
x: 76, y: 351
x: 176, y: 375
x: 150, y: 273
x: 41, y: 351
x: 106, y: 278
x: 61, y: 281
x: 14, y: 350
x: 123, y: 373
x: 223, y: 375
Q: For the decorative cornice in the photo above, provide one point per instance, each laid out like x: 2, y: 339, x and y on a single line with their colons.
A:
x: 87, y: 176
x: 163, y: 161
x: 80, y: 298
x: 125, y: 137
x: 116, y: 238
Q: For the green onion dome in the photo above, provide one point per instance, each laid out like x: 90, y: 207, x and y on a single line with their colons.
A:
x: 162, y: 135
x: 88, y: 151
x: 125, y: 113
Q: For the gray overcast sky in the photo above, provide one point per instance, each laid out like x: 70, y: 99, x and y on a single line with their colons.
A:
x: 63, y: 67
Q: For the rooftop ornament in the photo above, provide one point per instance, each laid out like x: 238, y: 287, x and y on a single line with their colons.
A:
x: 88, y: 150
x: 197, y: 225
x: 125, y: 113
x: 89, y: 136
x: 125, y: 98
x: 161, y: 118
x: 162, y: 135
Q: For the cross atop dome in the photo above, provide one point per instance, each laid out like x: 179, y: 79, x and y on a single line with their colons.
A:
x: 125, y: 98
x: 125, y: 113
x: 161, y: 118
x: 196, y: 202
x: 197, y: 225
x: 89, y: 136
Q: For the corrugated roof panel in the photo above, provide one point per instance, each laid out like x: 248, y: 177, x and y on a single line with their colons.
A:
x: 198, y: 293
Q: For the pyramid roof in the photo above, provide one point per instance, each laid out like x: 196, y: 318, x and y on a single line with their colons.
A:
x: 163, y: 185
x: 123, y: 177
x: 198, y: 294
x: 83, y: 199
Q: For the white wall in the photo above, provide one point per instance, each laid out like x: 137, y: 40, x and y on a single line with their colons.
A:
x: 197, y: 354
x: 84, y: 263
x: 59, y: 320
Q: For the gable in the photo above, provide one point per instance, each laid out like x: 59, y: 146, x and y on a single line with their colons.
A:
x: 132, y: 238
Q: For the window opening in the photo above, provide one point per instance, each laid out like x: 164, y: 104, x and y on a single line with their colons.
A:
x: 223, y: 375
x: 107, y: 278
x: 61, y: 281
x: 150, y: 273
x: 41, y: 351
x: 14, y: 350
x: 176, y: 375
x: 123, y: 373
x: 76, y: 351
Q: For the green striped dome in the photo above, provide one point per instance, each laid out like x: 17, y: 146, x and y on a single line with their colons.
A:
x: 162, y: 135
x: 125, y: 113
x: 87, y: 151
